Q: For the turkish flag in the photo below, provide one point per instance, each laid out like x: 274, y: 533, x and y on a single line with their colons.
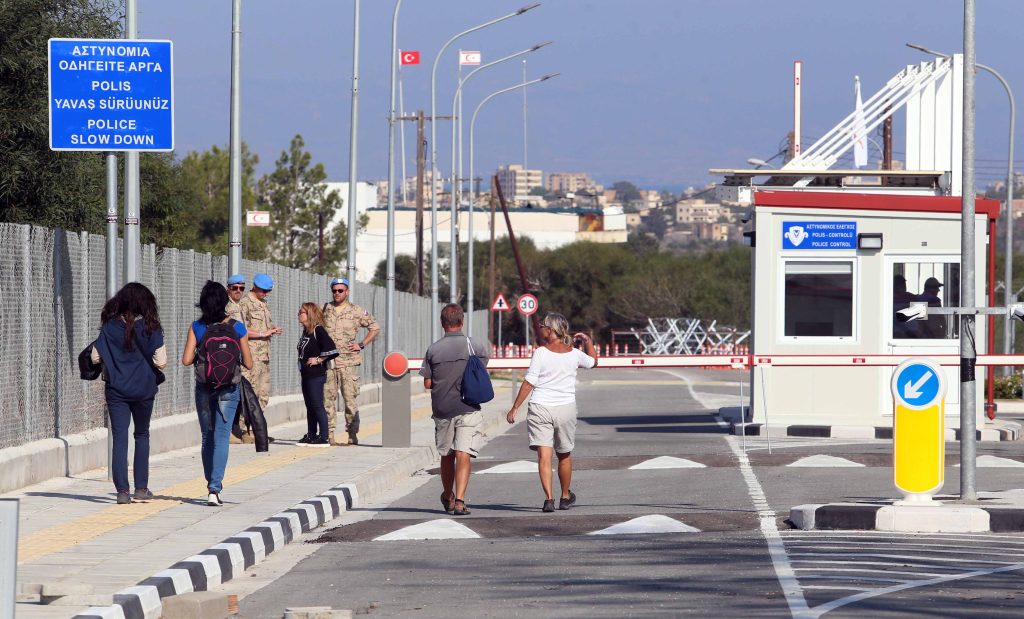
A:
x: 410, y: 57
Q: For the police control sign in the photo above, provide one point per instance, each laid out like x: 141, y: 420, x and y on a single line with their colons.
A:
x: 111, y: 94
x: 819, y: 235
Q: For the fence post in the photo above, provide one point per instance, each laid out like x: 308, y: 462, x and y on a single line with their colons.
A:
x: 58, y: 357
x: 26, y: 305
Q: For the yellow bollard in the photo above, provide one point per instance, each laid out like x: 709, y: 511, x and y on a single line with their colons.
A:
x: 919, y: 433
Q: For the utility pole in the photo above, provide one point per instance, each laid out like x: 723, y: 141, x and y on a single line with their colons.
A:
x: 490, y: 314
x: 421, y: 158
x: 887, y: 140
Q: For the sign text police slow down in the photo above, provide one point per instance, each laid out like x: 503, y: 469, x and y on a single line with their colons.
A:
x: 111, y: 95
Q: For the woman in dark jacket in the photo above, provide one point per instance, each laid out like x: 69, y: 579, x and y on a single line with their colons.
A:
x: 316, y: 349
x: 131, y: 347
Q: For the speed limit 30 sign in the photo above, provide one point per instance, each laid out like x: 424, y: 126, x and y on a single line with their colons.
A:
x: 527, y: 304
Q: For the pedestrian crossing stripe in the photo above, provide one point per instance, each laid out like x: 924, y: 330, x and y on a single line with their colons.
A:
x: 822, y: 461
x: 519, y: 466
x: 667, y: 462
x: 655, y: 523
x: 443, y: 528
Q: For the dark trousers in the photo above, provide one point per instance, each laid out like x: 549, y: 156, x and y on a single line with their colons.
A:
x: 121, y: 414
x: 316, y: 414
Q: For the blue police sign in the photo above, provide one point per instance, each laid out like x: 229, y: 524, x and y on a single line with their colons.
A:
x: 111, y: 94
x: 819, y: 235
x: 918, y: 384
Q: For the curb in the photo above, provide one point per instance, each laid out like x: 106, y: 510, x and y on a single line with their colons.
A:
x: 230, y: 558
x: 1010, y: 431
x: 948, y: 518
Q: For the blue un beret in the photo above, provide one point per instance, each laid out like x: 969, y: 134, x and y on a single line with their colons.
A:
x: 340, y: 280
x: 263, y: 281
x: 237, y: 278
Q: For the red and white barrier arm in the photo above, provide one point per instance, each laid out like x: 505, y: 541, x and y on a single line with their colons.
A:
x: 745, y: 361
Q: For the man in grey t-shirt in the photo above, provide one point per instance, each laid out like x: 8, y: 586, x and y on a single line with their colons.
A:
x: 456, y: 424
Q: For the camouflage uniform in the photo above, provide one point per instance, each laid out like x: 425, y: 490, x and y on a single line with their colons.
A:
x: 234, y: 310
x: 343, y: 323
x: 257, y: 319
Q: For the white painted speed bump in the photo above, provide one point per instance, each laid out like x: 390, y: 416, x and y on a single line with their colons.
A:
x: 443, y: 528
x: 519, y: 466
x: 825, y: 462
x: 995, y: 462
x: 667, y: 462
x: 655, y: 523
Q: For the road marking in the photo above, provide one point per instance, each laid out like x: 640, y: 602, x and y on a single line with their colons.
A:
x: 519, y: 466
x: 603, y: 382
x: 702, y: 399
x: 68, y: 534
x: 825, y: 462
x: 655, y: 523
x: 443, y: 528
x: 994, y: 462
x: 667, y: 462
x: 770, y: 530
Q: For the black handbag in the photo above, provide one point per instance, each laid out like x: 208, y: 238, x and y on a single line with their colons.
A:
x: 88, y: 370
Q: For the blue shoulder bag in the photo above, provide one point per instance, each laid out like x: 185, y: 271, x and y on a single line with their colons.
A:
x: 476, y: 382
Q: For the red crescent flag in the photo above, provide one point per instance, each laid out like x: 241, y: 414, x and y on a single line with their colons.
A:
x: 410, y: 57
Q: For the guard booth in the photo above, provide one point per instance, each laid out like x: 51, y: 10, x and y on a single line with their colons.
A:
x: 830, y: 271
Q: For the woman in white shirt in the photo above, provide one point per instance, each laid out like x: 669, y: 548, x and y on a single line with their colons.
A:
x: 551, y: 416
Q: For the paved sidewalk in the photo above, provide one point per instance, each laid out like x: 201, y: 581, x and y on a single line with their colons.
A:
x: 78, y: 544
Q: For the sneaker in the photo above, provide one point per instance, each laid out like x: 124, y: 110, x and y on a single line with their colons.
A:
x: 305, y: 439
x: 549, y: 505
x: 318, y: 441
x: 567, y: 501
x: 214, y: 500
x: 142, y: 494
x: 123, y: 498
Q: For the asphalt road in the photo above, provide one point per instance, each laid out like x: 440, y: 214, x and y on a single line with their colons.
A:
x: 719, y: 542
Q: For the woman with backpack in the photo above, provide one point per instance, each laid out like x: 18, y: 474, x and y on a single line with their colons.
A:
x: 131, y: 348
x: 316, y: 349
x: 217, y: 345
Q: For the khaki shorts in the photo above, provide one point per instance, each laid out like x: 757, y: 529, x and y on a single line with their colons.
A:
x: 459, y: 433
x: 552, y: 426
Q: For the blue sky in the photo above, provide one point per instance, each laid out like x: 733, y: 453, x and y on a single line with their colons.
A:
x: 653, y: 91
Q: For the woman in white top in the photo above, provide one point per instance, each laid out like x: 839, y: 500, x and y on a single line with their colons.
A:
x: 551, y: 416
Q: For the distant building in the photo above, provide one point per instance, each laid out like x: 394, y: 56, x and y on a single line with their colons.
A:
x: 571, y: 182
x: 517, y: 182
x: 696, y: 210
x: 366, y: 199
x: 650, y: 198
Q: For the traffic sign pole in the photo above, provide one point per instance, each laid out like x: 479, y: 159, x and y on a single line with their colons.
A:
x: 919, y: 433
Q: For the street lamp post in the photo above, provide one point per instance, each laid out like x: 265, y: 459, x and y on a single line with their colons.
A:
x: 454, y: 270
x: 1008, y: 264
x: 353, y: 178
x: 389, y: 301
x: 434, y: 325
x: 470, y: 285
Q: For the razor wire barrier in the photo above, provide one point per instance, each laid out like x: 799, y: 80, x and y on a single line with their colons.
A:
x: 687, y: 336
x: 52, y: 288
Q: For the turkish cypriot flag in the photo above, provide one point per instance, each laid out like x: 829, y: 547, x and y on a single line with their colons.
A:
x: 860, y: 132
x: 469, y: 58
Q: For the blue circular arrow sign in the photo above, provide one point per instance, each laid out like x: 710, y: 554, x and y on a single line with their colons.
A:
x: 918, y: 384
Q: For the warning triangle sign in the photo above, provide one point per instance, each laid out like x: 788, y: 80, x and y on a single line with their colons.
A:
x: 500, y: 304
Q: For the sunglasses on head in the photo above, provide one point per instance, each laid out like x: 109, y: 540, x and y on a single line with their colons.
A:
x: 236, y: 287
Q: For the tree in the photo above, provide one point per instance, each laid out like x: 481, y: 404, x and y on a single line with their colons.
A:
x: 626, y: 192
x: 37, y: 185
x: 300, y: 206
x: 206, y: 178
x: 405, y: 274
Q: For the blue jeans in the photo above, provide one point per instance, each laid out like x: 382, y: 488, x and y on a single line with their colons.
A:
x: 216, y: 408
x: 122, y: 413
x: 316, y: 414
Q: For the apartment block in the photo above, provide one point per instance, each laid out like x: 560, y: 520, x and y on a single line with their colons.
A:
x: 565, y: 182
x: 517, y: 182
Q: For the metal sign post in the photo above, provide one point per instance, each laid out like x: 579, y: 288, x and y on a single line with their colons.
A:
x: 500, y: 306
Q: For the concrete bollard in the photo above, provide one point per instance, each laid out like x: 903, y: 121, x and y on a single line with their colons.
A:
x: 196, y: 605
x: 396, y: 405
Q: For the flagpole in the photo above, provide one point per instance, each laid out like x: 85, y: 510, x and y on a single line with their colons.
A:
x: 401, y: 114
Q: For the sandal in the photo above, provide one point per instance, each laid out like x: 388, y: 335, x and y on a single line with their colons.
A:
x: 460, y: 511
x: 447, y: 504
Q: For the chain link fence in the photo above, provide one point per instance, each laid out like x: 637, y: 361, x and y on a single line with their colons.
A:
x: 53, y: 286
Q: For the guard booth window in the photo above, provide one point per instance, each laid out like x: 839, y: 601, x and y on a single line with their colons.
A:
x: 934, y: 283
x: 819, y: 299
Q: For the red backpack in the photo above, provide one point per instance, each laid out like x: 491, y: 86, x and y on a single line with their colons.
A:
x: 218, y: 356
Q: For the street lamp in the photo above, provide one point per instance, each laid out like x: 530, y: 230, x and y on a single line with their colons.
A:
x: 472, y: 193
x: 759, y: 163
x: 389, y: 300
x: 456, y: 190
x: 1008, y: 265
x: 435, y: 326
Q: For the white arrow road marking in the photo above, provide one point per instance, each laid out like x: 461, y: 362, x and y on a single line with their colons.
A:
x: 443, y: 528
x: 519, y: 466
x: 822, y: 461
x: 912, y: 391
x: 647, y: 524
x: 667, y: 462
